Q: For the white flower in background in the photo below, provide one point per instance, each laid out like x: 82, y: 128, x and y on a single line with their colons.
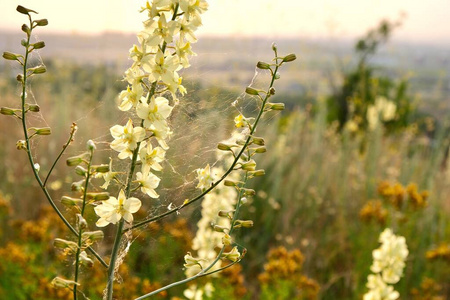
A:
x: 196, y: 293
x: 379, y: 290
x: 113, y: 210
x: 388, y: 264
x: 151, y: 157
x: 382, y: 110
x: 204, y: 178
x: 149, y: 182
x: 126, y: 138
x: 390, y: 258
x: 154, y: 113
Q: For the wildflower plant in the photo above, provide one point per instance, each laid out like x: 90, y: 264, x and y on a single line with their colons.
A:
x: 153, y: 87
x: 388, y: 264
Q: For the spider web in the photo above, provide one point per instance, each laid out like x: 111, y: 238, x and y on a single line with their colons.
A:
x: 201, y: 119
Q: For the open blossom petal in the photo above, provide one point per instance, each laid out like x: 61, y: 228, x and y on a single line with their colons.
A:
x: 126, y: 138
x: 149, y: 182
x: 154, y: 113
x: 113, y: 209
x: 151, y: 157
x: 204, y: 178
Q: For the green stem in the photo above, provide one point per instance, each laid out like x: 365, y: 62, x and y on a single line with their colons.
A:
x: 230, y: 169
x: 128, y: 190
x: 218, y: 257
x: 72, y: 133
x: 30, y: 157
x: 80, y: 229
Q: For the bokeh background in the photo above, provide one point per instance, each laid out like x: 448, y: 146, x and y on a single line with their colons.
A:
x: 334, y: 179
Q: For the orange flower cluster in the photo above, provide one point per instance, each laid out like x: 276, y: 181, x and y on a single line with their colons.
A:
x: 285, y: 265
x: 374, y: 210
x: 399, y: 195
x: 441, y: 252
x: 429, y: 290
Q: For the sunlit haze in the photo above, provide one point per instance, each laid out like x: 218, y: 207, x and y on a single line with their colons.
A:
x: 425, y: 20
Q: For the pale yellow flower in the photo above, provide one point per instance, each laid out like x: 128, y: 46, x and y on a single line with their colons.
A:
x: 151, y: 157
x: 130, y: 97
x: 160, y: 67
x: 240, y: 121
x: 155, y: 113
x: 149, y: 182
x: 113, y: 210
x: 126, y: 138
x: 233, y: 255
x: 204, y: 178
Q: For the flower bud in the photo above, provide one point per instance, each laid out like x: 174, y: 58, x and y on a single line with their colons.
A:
x: 71, y: 202
x: 226, y: 239
x: 24, y: 10
x: 263, y: 65
x: 231, y: 183
x: 191, y: 261
x: 79, y: 170
x: 257, y: 173
x: 24, y: 42
x: 89, y: 237
x: 85, y: 260
x: 274, y: 47
x: 37, y: 167
x: 101, y: 168
x: 240, y: 142
x: 69, y: 247
x: 77, y: 186
x: 243, y: 223
x: 91, y: 145
x: 275, y: 106
x: 249, y: 165
x: 43, y: 131
x: 38, y: 70
x: 289, y: 57
x: 41, y: 22
x: 34, y: 107
x: 260, y: 150
x: 249, y: 192
x: 7, y: 111
x: 277, y: 75
x: 74, y: 161
x: 21, y: 145
x: 82, y: 224
x: 225, y: 213
x: 26, y: 29
x: 38, y: 45
x: 98, y: 196
x: 258, y: 141
x: 251, y: 91
x: 233, y: 255
x: 224, y: 147
x: 219, y: 228
x: 10, y: 56
x: 59, y: 282
x: 244, y: 200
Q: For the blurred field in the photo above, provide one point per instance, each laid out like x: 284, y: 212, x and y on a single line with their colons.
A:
x: 327, y: 195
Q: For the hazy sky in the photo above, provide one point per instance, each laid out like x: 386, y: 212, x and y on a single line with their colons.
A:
x: 426, y: 20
